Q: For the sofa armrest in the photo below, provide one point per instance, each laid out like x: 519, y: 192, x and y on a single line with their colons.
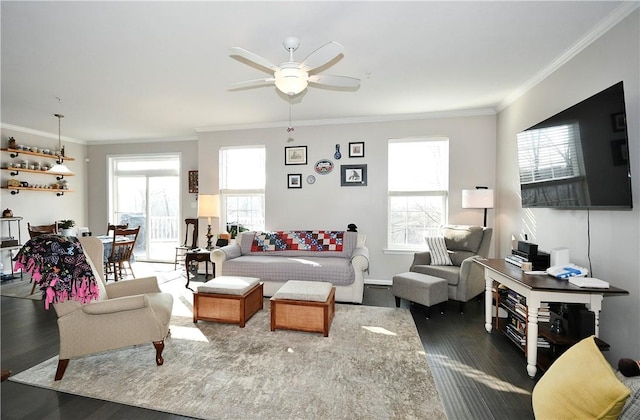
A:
x: 421, y: 258
x: 133, y: 287
x: 220, y: 255
x: 227, y: 252
x: 360, y: 258
x: 110, y: 306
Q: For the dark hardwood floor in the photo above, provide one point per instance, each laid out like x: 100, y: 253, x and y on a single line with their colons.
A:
x: 478, y: 375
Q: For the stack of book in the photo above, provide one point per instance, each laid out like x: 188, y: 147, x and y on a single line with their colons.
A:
x: 543, y: 313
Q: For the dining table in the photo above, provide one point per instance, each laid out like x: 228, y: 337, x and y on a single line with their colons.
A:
x: 107, y: 241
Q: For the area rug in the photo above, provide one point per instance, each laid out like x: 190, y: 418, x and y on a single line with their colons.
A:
x: 372, y: 366
x: 20, y: 289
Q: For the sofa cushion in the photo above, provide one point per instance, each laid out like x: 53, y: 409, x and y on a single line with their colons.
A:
x: 278, y: 267
x: 438, y: 250
x: 462, y: 238
x: 580, y: 384
x: 631, y: 408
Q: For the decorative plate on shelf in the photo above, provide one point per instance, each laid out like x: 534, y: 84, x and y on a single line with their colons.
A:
x: 324, y: 166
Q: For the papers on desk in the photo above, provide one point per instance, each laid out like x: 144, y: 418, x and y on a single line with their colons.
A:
x: 589, y: 282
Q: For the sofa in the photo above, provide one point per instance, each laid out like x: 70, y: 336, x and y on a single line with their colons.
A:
x: 464, y: 244
x: 338, y: 257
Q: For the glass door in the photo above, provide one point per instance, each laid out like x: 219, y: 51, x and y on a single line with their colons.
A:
x: 145, y: 193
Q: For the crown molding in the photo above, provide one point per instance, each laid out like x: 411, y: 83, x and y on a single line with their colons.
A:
x: 143, y: 140
x: 40, y: 133
x: 615, y: 17
x: 354, y: 120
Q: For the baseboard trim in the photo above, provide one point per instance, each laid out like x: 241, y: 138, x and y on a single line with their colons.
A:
x: 376, y: 282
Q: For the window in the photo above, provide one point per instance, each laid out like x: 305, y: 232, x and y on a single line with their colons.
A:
x: 242, y: 184
x: 144, y: 191
x: 418, y: 187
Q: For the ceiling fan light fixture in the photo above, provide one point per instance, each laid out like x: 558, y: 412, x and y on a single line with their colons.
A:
x: 291, y: 81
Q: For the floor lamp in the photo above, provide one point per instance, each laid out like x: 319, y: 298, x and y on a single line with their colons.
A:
x: 480, y: 198
x: 208, y: 206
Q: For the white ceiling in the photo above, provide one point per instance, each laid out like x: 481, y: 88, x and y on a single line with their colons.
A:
x: 160, y: 70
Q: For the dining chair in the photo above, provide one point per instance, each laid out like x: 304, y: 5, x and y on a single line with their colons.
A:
x: 111, y: 227
x: 118, y: 262
x: 186, y: 246
x: 42, y: 229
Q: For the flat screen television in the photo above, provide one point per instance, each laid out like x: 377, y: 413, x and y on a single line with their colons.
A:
x: 578, y: 158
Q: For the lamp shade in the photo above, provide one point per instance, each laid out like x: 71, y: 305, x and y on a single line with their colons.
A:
x: 60, y: 168
x: 477, y: 199
x: 208, y: 206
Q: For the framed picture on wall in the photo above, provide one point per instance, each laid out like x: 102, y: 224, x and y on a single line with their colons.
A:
x: 353, y: 175
x: 193, y: 182
x: 294, y: 181
x: 296, y: 155
x: 356, y: 149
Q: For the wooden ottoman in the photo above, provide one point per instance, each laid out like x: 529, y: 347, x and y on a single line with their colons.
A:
x: 229, y: 299
x: 304, y: 306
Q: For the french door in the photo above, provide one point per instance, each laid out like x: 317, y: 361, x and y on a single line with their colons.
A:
x: 145, y: 191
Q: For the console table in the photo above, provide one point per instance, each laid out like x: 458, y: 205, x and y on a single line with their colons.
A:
x: 537, y: 289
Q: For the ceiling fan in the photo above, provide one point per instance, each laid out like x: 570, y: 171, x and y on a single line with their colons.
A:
x: 292, y: 77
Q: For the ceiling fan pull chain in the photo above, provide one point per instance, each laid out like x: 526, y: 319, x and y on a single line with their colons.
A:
x: 290, y: 128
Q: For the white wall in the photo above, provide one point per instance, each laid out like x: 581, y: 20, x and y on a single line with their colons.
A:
x: 615, y: 235
x: 327, y: 205
x: 97, y: 195
x: 41, y: 208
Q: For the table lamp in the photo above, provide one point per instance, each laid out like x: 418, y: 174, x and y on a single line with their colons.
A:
x: 480, y: 198
x: 208, y: 206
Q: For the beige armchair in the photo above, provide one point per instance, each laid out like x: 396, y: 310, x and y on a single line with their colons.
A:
x: 127, y: 313
x: 465, y: 279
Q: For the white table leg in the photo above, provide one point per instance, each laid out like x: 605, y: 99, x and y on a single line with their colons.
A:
x: 532, y: 336
x: 488, y: 302
x: 595, y: 306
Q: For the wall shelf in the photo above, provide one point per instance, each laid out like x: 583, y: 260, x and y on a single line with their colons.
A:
x: 14, y: 153
x: 16, y: 190
x: 16, y: 171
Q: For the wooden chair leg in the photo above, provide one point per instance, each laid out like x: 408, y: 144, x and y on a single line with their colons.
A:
x: 159, y: 345
x: 62, y: 366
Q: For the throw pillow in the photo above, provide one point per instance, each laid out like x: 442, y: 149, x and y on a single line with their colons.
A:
x: 438, y: 251
x: 580, y: 384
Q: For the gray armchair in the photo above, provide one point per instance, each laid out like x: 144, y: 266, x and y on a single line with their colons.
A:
x: 465, y: 278
x: 127, y: 313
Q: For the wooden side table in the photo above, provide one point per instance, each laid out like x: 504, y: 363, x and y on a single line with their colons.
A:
x: 202, y: 255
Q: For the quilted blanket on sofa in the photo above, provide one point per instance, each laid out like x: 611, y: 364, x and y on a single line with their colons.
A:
x: 295, y: 240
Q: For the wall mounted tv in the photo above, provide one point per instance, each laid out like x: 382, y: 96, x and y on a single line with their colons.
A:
x: 578, y: 158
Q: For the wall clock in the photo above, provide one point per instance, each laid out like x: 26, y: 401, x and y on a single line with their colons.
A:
x: 311, y: 179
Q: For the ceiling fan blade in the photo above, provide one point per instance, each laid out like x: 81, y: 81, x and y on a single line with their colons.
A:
x: 323, y: 55
x: 248, y: 55
x: 252, y: 83
x: 337, y: 81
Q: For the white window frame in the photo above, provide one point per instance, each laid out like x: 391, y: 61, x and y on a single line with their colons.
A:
x: 226, y: 193
x: 441, y: 193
